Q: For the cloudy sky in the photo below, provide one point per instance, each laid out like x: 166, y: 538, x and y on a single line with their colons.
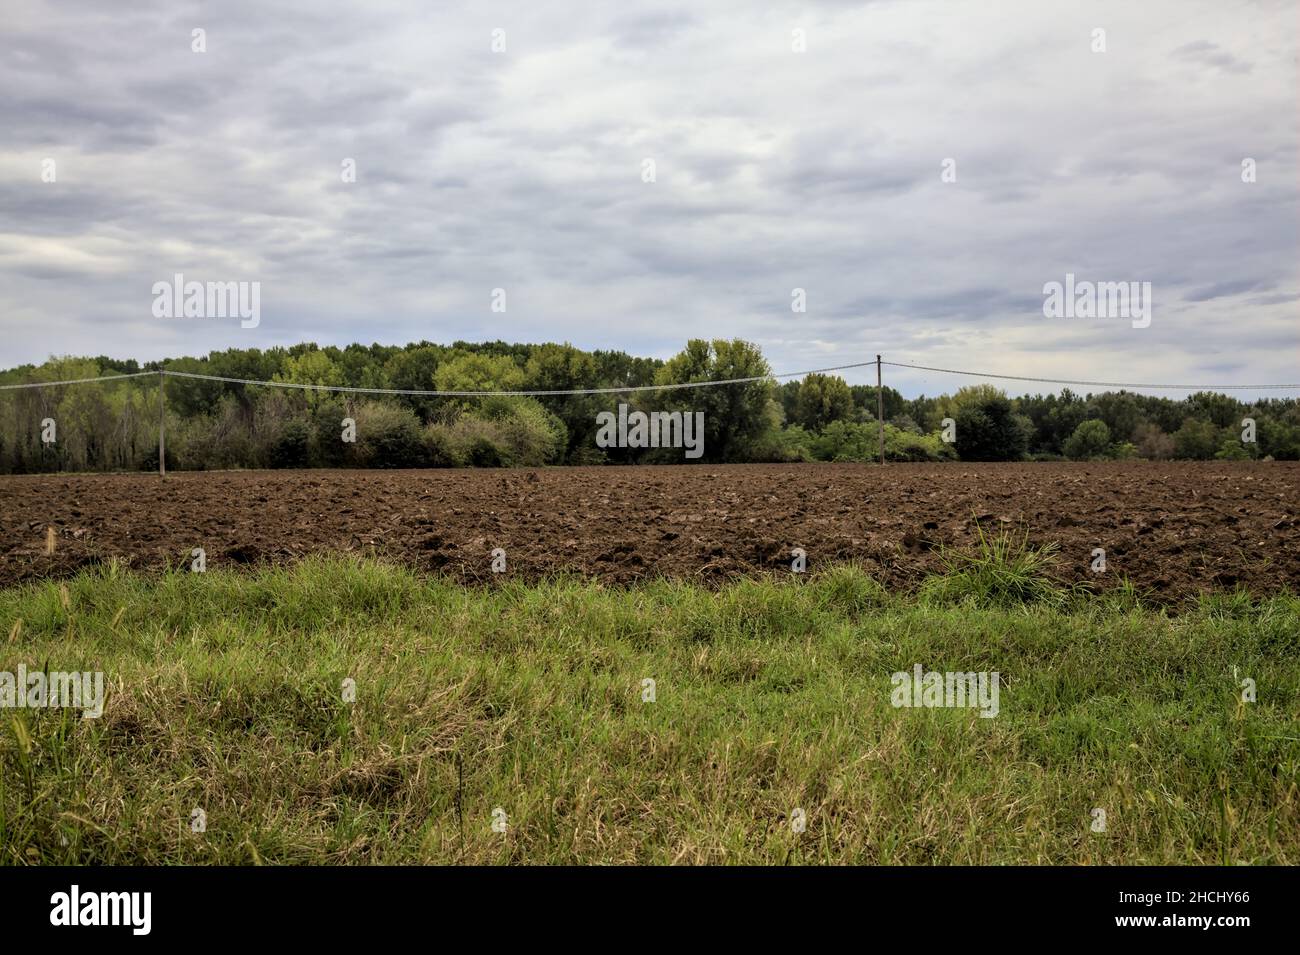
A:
x: 774, y: 169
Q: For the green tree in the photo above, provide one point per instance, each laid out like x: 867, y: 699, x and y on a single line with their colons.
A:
x: 414, y: 370
x: 311, y: 368
x: 988, y: 429
x: 970, y: 396
x: 616, y: 369
x: 821, y: 400
x: 553, y: 367
x: 788, y: 396
x: 1222, y: 410
x: 864, y: 399
x: 481, y: 372
x: 1120, y: 411
x: 736, y: 417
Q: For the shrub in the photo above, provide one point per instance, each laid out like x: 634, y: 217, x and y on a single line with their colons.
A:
x: 1196, y: 439
x: 905, y: 422
x: 1153, y: 443
x: 524, y: 432
x: 441, y: 447
x: 291, y: 446
x: 845, y: 441
x: 1090, y: 440
x: 328, y: 447
x: 785, y: 446
x: 219, y: 439
x: 149, y: 460
x: 1124, y: 451
x: 1233, y: 449
x: 399, y: 446
x: 1279, y: 440
x: 903, y: 445
x: 532, y: 435
x: 481, y: 443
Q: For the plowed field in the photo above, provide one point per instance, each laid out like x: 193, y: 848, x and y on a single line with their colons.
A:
x: 1173, y: 529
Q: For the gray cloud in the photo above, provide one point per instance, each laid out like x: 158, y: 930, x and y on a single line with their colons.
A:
x: 1226, y: 289
x: 774, y: 170
x: 1203, y: 52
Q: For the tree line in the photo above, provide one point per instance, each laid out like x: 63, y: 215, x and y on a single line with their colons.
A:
x: 213, y: 425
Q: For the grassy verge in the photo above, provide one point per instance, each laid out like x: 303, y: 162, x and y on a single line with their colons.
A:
x: 225, y: 693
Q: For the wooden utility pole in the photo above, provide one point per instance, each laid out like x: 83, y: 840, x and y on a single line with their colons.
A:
x: 162, y: 427
x: 880, y: 411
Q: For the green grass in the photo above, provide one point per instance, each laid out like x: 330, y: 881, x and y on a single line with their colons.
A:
x: 224, y: 693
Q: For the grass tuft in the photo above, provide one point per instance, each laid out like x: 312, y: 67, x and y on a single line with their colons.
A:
x: 1004, y: 570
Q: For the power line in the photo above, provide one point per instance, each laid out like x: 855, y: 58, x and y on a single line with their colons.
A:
x: 528, y: 393
x: 75, y: 381
x: 1095, y: 384
x: 432, y: 393
x: 538, y: 393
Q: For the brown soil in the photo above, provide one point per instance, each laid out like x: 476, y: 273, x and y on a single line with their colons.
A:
x: 1173, y: 529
